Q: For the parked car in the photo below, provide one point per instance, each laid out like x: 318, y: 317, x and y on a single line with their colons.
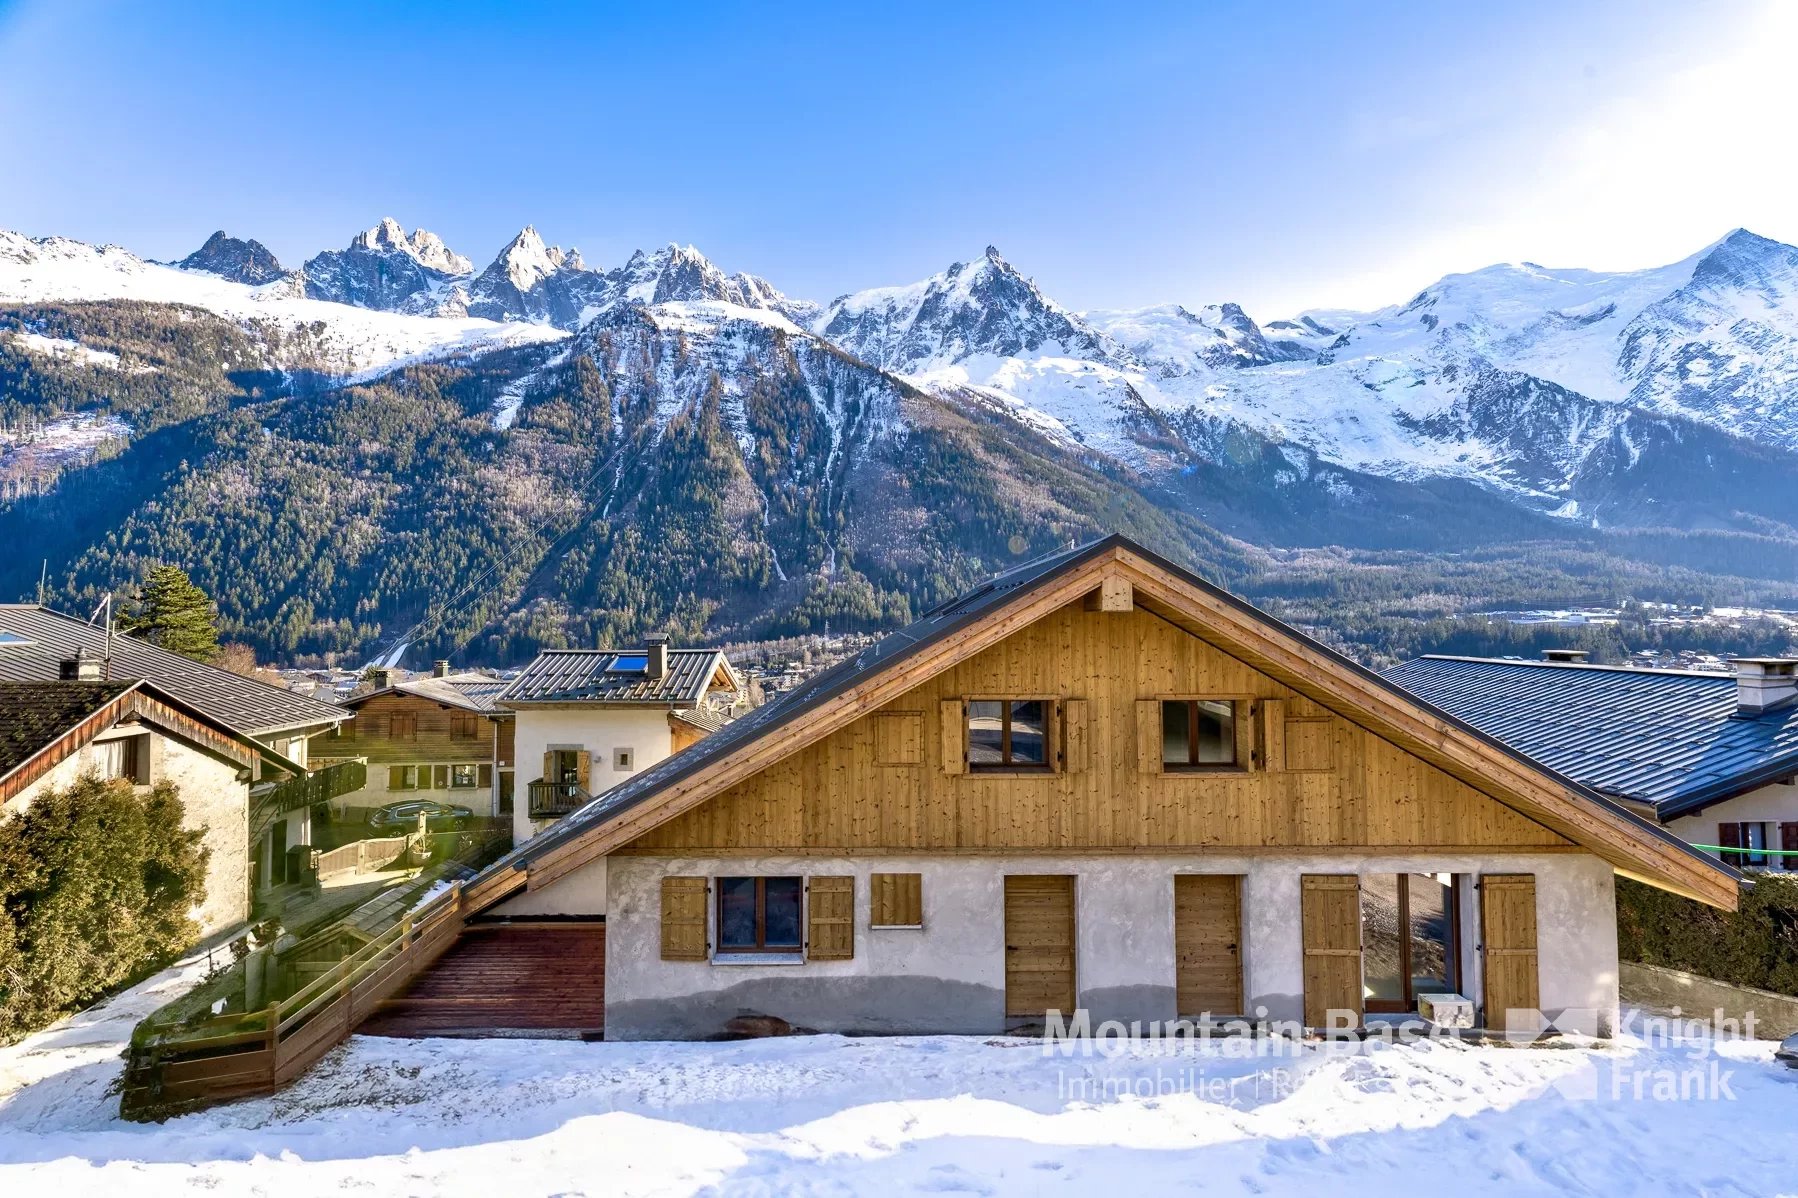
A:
x: 403, y: 817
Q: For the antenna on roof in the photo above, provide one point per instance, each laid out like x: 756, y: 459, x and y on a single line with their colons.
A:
x: 43, y: 580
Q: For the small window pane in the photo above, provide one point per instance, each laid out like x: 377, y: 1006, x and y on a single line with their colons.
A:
x: 782, y: 916
x: 1175, y: 748
x: 1217, y: 732
x: 736, y: 913
x: 1029, y: 746
x: 986, y: 729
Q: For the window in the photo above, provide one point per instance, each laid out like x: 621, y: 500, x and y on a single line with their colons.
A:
x: 1409, y: 939
x: 1008, y: 734
x: 622, y: 759
x: 402, y: 777
x: 463, y: 777
x: 1748, y: 842
x: 1198, y: 734
x: 402, y: 725
x: 759, y: 915
x: 465, y: 725
x: 505, y: 792
x: 124, y: 757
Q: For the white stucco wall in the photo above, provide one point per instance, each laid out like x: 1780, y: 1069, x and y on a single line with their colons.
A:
x: 1773, y: 804
x: 599, y: 731
x: 950, y: 976
x: 214, y: 800
x: 582, y: 892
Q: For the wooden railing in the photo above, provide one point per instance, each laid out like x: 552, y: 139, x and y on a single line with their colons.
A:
x: 253, y: 1053
x: 553, y: 800
x: 341, y: 777
x: 361, y: 856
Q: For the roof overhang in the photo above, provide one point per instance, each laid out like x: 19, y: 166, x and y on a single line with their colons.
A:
x: 1635, y: 847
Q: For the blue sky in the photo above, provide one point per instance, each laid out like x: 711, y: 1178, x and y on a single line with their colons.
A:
x: 1282, y: 156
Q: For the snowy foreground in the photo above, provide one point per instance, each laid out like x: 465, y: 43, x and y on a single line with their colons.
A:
x: 831, y: 1115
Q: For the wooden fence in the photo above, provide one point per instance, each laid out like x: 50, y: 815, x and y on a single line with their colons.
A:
x: 361, y: 856
x: 234, y: 1056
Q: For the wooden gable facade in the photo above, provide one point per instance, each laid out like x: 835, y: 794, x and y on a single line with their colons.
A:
x: 895, y: 779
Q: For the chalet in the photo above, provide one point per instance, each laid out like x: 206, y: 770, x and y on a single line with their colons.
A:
x: 441, y: 737
x: 36, y: 643
x: 52, y: 733
x: 595, y: 717
x: 1713, y: 758
x: 1093, y: 782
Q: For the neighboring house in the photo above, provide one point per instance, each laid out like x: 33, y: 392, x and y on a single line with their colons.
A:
x: 1713, y: 758
x: 439, y: 738
x: 587, y: 719
x: 52, y: 733
x: 35, y: 642
x: 1094, y: 782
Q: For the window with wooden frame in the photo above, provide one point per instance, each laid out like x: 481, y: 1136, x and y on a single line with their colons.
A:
x: 124, y: 757
x: 761, y: 915
x: 464, y: 777
x: 1744, y: 842
x: 1199, y: 734
x: 402, y: 725
x: 464, y: 725
x: 1009, y: 734
x: 1410, y: 939
x: 896, y: 900
x: 402, y: 777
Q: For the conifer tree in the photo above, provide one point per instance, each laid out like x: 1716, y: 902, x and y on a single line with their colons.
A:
x: 173, y: 613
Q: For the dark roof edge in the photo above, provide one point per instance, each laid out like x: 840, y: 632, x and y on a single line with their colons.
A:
x: 1729, y: 788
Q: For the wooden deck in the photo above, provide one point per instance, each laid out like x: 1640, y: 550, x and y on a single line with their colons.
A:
x: 505, y: 978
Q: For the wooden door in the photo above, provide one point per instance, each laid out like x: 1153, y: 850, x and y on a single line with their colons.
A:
x: 1039, y: 944
x: 1508, y: 938
x: 1208, y: 944
x: 1330, y: 918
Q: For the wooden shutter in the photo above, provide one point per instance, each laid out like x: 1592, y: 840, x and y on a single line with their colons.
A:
x: 1075, y: 734
x: 896, y: 900
x: 830, y: 919
x: 440, y: 777
x: 1242, y: 714
x: 1148, y: 736
x: 1273, y: 734
x: 1730, y: 837
x: 485, y: 775
x: 1508, y: 933
x: 1330, y: 919
x: 684, y: 918
x: 396, y: 777
x: 1788, y: 840
x: 549, y: 767
x: 583, y: 770
x: 954, y: 736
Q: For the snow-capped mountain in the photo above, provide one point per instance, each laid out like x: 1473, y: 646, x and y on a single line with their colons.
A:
x: 235, y: 259
x: 332, y: 339
x: 388, y: 270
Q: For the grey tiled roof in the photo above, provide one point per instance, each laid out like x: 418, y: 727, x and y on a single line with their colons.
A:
x: 253, y: 708
x: 33, y: 714
x: 470, y: 692
x: 591, y: 676
x: 1656, y: 736
x: 708, y: 718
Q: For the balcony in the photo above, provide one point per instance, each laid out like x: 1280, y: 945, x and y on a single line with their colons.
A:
x: 553, y: 800
x: 342, y: 776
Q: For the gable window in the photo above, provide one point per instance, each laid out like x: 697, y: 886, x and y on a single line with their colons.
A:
x: 1008, y: 734
x: 759, y: 914
x: 464, y: 725
x: 125, y: 758
x: 402, y: 725
x: 1198, y: 734
x: 1409, y: 939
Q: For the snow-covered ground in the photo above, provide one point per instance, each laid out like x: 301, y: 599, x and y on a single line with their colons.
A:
x: 834, y: 1115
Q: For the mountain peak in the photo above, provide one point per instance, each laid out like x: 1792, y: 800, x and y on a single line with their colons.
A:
x: 240, y: 260
x: 422, y: 246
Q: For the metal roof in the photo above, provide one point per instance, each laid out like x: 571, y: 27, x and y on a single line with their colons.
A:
x: 710, y: 719
x: 468, y: 692
x: 242, y: 704
x: 595, y: 676
x: 1669, y: 738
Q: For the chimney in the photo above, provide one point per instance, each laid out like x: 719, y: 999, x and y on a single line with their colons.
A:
x: 440, y: 668
x: 380, y: 679
x: 656, y: 652
x: 1763, y: 683
x: 83, y: 667
x: 1565, y: 655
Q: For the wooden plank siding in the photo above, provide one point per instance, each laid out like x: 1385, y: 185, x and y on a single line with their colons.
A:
x: 434, y: 737
x: 842, y: 794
